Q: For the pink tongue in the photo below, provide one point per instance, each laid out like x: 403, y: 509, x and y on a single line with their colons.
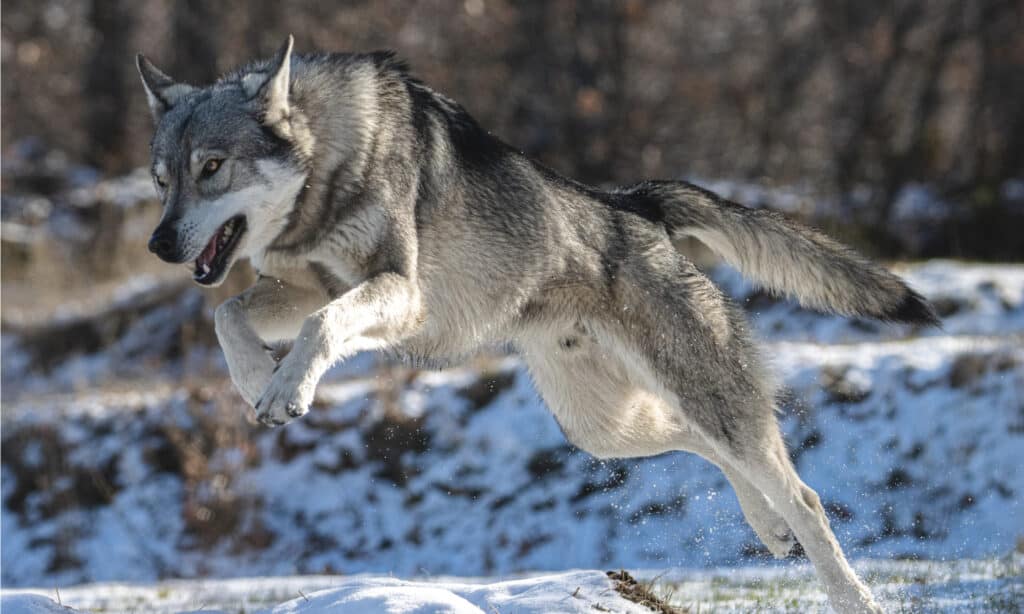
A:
x: 209, y: 252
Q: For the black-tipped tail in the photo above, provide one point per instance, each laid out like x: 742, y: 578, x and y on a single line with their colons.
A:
x: 788, y: 258
x: 913, y: 309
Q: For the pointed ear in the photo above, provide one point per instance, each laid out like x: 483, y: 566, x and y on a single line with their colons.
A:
x: 272, y: 89
x: 161, y: 90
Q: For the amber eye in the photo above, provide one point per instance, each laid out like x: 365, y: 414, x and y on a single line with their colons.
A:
x: 212, y: 166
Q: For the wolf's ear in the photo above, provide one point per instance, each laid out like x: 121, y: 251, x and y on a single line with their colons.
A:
x: 271, y: 88
x: 161, y: 90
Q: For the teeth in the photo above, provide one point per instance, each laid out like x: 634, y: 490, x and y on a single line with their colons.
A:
x: 205, y: 268
x: 228, y: 230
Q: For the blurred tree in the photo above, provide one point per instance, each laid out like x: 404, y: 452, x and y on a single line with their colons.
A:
x: 106, y: 87
x: 196, y: 33
x: 597, y: 87
x: 998, y: 109
x: 259, y: 39
x: 845, y: 97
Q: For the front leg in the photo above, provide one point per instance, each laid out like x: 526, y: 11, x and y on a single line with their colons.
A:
x: 375, y: 314
x: 248, y: 358
x: 268, y: 311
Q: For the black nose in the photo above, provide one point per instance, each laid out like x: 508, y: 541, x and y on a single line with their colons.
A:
x: 164, y: 243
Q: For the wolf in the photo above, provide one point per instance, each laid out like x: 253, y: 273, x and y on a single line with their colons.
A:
x: 379, y: 215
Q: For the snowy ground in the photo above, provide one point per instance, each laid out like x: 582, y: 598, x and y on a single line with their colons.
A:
x: 994, y: 586
x: 581, y: 591
x: 133, y: 464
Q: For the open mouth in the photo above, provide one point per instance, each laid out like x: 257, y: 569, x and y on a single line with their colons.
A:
x: 215, y: 256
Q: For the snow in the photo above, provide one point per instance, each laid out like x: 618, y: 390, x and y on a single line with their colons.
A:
x: 575, y: 591
x: 968, y: 586
x: 569, y: 592
x: 965, y: 586
x: 30, y: 604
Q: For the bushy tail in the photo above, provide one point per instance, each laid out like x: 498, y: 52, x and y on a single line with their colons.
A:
x: 786, y: 257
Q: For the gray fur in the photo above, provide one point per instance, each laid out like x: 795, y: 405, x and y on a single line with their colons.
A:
x: 381, y: 216
x: 788, y: 258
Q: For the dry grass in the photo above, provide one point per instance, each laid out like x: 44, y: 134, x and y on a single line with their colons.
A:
x: 642, y: 593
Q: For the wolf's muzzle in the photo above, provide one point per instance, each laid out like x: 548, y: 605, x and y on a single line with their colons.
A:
x: 164, y: 243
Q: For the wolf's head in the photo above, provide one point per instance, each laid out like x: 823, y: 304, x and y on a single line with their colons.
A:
x: 228, y: 161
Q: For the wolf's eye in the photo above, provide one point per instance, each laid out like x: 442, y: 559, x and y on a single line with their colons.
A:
x: 212, y: 166
x: 159, y: 181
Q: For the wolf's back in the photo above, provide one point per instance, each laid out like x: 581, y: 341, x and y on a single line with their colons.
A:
x: 786, y: 257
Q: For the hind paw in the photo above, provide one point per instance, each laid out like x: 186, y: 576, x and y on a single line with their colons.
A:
x: 775, y: 534
x: 781, y: 542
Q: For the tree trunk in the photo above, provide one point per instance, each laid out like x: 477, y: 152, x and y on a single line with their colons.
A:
x: 106, y: 89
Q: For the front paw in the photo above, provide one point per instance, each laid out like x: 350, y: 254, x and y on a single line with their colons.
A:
x: 288, y: 396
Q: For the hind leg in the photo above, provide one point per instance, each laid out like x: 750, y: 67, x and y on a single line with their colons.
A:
x: 603, y: 411
x: 768, y: 468
x: 695, y: 344
x: 761, y: 515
